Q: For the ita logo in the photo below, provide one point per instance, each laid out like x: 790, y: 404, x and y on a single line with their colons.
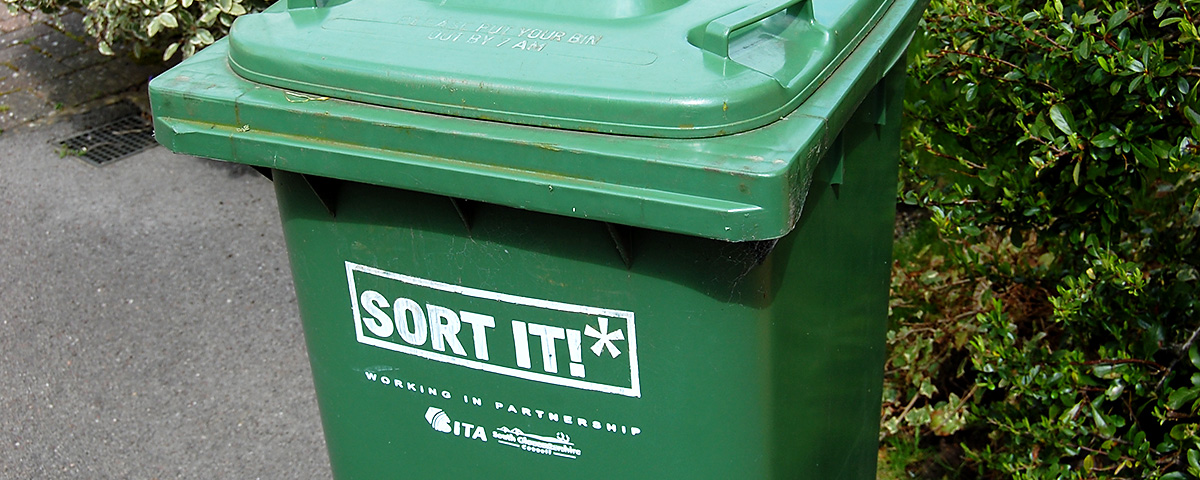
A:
x: 441, y: 422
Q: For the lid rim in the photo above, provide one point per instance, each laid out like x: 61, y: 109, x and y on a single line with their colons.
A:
x: 689, y: 93
x: 544, y: 121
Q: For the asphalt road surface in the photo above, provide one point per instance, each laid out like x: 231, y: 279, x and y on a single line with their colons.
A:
x: 148, y: 326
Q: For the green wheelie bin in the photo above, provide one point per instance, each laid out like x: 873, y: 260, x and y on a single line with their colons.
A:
x: 561, y: 239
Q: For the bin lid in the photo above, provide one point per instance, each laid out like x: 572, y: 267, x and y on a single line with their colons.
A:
x: 654, y: 68
x: 748, y: 186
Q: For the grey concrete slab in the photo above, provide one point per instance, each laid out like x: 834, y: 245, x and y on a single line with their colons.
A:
x: 20, y: 106
x: 39, y: 66
x: 83, y: 60
x: 10, y: 53
x: 24, y: 34
x: 58, y: 45
x: 9, y: 23
x: 148, y: 328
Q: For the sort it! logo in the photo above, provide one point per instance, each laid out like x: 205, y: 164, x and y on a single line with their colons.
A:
x: 441, y: 422
x: 491, y: 331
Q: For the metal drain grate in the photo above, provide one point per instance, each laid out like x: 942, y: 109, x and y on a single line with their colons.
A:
x: 112, y: 141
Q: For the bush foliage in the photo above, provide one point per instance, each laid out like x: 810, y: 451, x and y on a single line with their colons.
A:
x: 150, y: 26
x: 1049, y: 328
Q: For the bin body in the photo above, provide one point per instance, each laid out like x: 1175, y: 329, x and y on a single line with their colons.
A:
x: 499, y: 298
x: 753, y: 359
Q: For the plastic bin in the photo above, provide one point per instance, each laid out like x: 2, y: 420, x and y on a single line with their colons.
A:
x: 629, y: 239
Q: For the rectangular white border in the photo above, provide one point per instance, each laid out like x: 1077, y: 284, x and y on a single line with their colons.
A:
x: 634, y: 391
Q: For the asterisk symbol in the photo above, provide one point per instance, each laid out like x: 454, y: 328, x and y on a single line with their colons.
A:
x: 604, y: 338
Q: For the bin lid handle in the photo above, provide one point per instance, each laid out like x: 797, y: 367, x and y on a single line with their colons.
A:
x: 298, y: 4
x: 715, y: 38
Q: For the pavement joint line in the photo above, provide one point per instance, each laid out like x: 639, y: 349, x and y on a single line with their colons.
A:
x: 37, y: 49
x: 69, y: 34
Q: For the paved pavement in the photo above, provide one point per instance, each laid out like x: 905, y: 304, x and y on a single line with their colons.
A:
x: 148, y: 327
x: 51, y: 68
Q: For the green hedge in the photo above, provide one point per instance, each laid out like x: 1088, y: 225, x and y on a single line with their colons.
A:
x: 1046, y: 324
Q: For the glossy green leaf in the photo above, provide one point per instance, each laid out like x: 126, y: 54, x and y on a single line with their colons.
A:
x: 1179, y: 398
x: 1160, y: 9
x: 1192, y: 116
x: 209, y: 15
x: 1145, y: 156
x: 170, y: 51
x: 167, y: 19
x: 154, y: 27
x: 205, y: 36
x: 1105, y: 140
x: 1118, y: 17
x: 1061, y: 116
